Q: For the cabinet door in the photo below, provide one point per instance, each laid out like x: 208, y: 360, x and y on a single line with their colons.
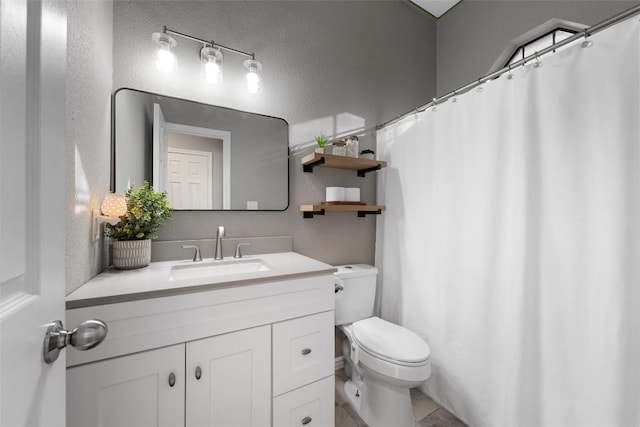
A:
x: 308, y: 406
x: 229, y: 379
x: 132, y: 390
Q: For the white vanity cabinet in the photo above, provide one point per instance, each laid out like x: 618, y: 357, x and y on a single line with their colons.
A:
x: 234, y: 352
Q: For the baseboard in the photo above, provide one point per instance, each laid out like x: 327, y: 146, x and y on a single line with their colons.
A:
x: 339, y: 362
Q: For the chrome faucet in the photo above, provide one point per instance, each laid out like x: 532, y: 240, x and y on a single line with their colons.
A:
x: 196, y: 255
x: 238, y: 253
x: 219, y: 236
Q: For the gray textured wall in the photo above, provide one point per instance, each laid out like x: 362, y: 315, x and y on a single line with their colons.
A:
x: 474, y: 33
x: 88, y: 132
x: 329, y: 67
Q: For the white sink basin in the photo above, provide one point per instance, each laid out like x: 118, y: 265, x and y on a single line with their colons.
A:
x: 217, y: 269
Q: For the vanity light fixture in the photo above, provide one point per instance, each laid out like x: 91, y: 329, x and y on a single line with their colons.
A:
x: 211, y: 58
x: 112, y: 208
x: 254, y: 80
x: 165, y: 59
x: 211, y: 64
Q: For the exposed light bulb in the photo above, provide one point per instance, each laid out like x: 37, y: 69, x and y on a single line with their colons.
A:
x: 165, y: 60
x: 212, y: 71
x: 254, y: 81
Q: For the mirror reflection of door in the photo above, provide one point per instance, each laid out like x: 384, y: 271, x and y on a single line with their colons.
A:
x: 189, y: 179
x: 191, y: 164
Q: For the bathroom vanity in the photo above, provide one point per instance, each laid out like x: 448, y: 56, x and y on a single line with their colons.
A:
x: 234, y: 343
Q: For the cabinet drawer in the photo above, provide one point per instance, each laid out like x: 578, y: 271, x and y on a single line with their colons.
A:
x: 309, y: 406
x: 302, y: 351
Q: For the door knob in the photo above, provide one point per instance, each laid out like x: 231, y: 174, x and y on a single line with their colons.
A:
x: 85, y: 336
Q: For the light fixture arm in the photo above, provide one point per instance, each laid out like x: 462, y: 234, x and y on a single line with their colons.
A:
x: 207, y: 43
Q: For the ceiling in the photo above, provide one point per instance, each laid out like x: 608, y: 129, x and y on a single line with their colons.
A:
x: 436, y: 7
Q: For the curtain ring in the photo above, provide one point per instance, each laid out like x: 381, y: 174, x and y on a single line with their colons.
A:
x: 434, y: 108
x: 454, y: 99
x: 538, y: 64
x: 509, y: 75
x: 480, y: 88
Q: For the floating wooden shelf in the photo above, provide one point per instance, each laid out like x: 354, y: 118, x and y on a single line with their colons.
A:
x: 309, y: 211
x: 362, y: 166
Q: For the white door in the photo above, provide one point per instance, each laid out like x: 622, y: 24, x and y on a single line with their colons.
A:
x: 160, y: 147
x: 143, y: 389
x: 189, y: 179
x: 33, y: 38
x: 229, y: 379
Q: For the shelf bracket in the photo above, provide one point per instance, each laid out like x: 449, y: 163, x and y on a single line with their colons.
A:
x: 309, y: 167
x: 362, y: 214
x: 312, y: 213
x: 363, y: 172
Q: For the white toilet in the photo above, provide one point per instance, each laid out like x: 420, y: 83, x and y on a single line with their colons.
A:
x: 382, y: 359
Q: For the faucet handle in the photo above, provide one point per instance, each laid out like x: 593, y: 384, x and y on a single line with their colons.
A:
x: 238, y: 253
x: 196, y: 255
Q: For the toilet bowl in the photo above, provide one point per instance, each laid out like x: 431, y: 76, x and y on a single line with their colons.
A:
x: 383, y: 360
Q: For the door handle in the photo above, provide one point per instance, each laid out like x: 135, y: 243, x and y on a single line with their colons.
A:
x: 85, y: 336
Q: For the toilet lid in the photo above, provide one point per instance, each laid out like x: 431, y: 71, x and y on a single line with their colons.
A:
x: 391, y: 341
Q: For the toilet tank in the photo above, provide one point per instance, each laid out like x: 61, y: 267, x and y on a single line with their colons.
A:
x: 356, y: 298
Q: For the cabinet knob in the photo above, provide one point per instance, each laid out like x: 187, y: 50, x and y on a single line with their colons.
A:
x: 198, y: 372
x: 172, y: 379
x: 306, y: 420
x: 306, y: 351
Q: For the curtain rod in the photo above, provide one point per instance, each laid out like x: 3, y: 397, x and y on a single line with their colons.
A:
x: 584, y: 34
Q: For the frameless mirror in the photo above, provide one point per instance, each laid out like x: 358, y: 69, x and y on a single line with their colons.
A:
x: 205, y: 157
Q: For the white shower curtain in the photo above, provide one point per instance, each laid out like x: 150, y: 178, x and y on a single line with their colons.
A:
x: 511, y: 240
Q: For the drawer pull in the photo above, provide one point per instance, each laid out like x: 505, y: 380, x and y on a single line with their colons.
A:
x: 304, y: 353
x: 306, y: 420
x: 198, y: 373
x: 172, y: 379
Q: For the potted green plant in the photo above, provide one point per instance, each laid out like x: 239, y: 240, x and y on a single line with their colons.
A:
x: 321, y: 141
x: 147, y: 209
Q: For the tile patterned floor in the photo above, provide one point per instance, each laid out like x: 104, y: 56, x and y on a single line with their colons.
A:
x: 426, y: 412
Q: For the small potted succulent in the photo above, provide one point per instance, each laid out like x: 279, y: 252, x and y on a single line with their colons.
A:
x: 147, y: 209
x: 321, y: 141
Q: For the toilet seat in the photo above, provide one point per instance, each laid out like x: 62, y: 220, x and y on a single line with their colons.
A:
x: 389, y: 342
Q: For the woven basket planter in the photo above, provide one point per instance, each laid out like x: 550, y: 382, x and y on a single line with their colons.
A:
x: 130, y: 254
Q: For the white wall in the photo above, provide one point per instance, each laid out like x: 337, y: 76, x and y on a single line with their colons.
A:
x: 475, y: 32
x: 88, y: 129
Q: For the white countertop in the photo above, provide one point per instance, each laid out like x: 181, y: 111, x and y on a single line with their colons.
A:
x: 113, y: 286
